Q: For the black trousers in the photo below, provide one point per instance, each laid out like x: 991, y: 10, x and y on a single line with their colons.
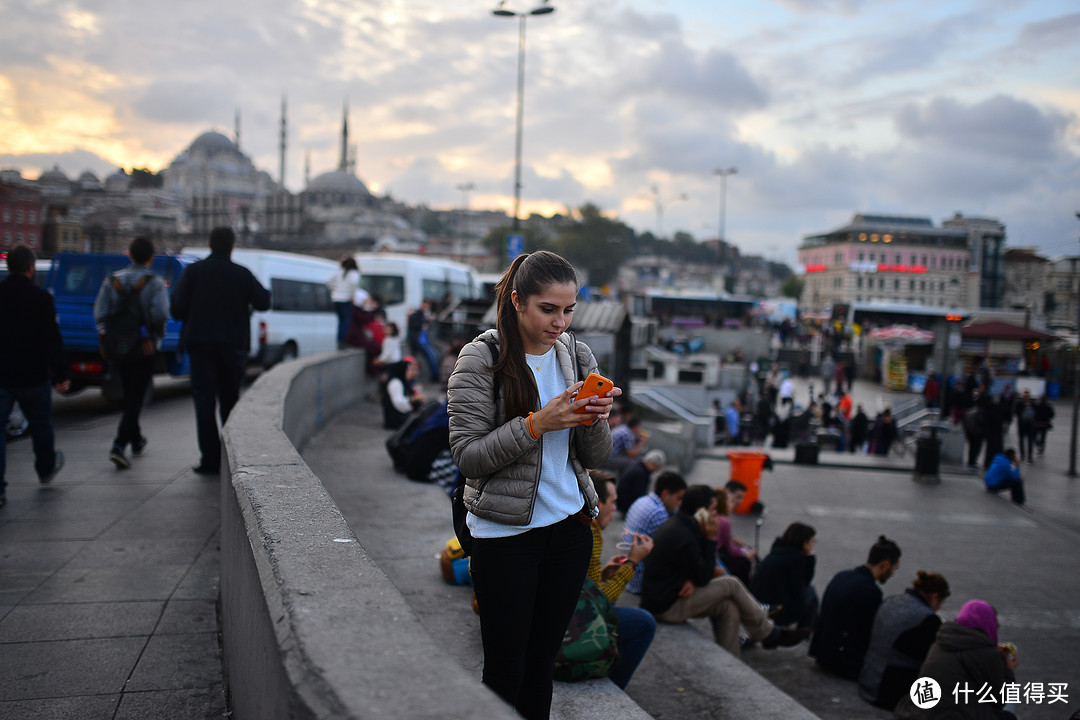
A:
x: 216, y: 373
x: 527, y: 587
x: 1026, y: 434
x: 135, y: 377
x: 974, y: 446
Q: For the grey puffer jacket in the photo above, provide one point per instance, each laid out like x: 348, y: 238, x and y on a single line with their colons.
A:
x: 499, y: 458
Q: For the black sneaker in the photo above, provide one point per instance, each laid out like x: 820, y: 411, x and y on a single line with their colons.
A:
x: 119, y: 459
x: 138, y: 447
x: 204, y: 470
x: 59, y: 463
x: 784, y: 638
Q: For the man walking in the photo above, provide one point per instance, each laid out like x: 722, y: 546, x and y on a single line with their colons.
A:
x: 214, y: 298
x: 135, y: 295
x: 31, y: 358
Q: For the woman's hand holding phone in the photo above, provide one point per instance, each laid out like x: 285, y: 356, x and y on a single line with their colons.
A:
x: 565, y: 409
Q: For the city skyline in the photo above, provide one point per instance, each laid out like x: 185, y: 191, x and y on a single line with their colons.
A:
x: 826, y: 107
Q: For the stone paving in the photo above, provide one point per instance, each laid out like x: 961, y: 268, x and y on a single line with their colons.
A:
x: 109, y: 579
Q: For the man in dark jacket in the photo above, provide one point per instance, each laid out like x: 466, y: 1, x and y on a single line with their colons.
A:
x: 682, y: 579
x: 214, y: 298
x: 31, y: 359
x: 634, y: 480
x: 848, y: 607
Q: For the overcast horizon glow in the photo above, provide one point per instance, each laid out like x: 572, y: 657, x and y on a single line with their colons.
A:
x: 826, y: 107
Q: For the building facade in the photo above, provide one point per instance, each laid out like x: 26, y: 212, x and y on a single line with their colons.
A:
x: 878, y: 258
x: 1025, y: 281
x: 21, y: 208
x: 1063, y: 291
x: 986, y: 238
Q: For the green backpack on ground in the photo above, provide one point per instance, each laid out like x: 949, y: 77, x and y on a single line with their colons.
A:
x: 590, y: 647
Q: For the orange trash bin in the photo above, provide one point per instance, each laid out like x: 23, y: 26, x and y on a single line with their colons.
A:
x: 746, y: 467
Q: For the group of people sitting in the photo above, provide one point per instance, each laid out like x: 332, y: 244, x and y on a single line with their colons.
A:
x: 683, y: 561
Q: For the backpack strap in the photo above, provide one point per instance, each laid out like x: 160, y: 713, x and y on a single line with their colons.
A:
x: 127, y: 295
x: 494, y: 349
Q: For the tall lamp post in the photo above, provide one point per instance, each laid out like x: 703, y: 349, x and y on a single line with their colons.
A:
x: 660, y: 204
x: 723, y: 173
x: 500, y: 11
x: 465, y: 189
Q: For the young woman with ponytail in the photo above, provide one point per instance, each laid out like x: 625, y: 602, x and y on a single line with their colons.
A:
x: 515, y: 435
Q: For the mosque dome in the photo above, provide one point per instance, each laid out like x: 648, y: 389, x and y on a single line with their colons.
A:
x: 89, y: 181
x: 338, y: 181
x: 119, y: 181
x: 56, y: 175
x: 212, y: 143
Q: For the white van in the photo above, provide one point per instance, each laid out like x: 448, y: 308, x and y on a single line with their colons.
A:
x: 301, y: 318
x: 402, y: 282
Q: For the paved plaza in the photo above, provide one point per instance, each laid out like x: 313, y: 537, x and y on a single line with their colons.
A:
x: 108, y: 580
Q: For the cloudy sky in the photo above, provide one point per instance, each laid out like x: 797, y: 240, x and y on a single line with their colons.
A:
x: 825, y: 107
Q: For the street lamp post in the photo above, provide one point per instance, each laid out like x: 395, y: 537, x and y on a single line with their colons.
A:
x: 723, y: 173
x: 502, y: 12
x: 660, y: 205
x: 465, y: 189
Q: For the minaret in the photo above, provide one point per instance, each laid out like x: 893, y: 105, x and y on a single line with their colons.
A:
x: 281, y: 173
x: 236, y: 128
x: 344, y: 163
x: 307, y: 168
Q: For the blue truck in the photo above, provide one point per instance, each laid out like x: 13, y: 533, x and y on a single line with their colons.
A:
x: 74, y: 281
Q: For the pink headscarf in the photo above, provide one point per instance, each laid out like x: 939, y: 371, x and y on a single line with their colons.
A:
x: 979, y: 615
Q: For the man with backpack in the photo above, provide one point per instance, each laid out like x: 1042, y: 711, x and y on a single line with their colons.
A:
x: 131, y: 310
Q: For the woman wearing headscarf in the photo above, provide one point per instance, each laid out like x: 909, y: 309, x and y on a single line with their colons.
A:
x: 966, y: 655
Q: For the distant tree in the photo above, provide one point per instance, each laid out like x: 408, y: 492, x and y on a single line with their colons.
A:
x: 141, y: 178
x: 729, y: 283
x: 792, y: 287
x: 644, y: 244
x: 495, y: 240
x: 595, y: 244
x: 686, y: 249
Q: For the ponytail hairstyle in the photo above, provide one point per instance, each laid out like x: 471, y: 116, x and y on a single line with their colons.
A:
x: 927, y: 584
x: 528, y: 275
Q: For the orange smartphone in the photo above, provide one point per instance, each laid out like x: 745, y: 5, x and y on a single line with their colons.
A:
x: 595, y: 385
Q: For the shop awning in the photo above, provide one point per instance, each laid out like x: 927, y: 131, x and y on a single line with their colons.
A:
x: 903, y: 334
x: 997, y: 330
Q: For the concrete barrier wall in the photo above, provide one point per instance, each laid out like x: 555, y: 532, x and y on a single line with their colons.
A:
x: 311, y: 626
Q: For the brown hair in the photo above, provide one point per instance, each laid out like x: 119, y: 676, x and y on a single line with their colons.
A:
x: 527, y: 275
x: 600, y: 480
x: 927, y: 584
x: 723, y: 501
